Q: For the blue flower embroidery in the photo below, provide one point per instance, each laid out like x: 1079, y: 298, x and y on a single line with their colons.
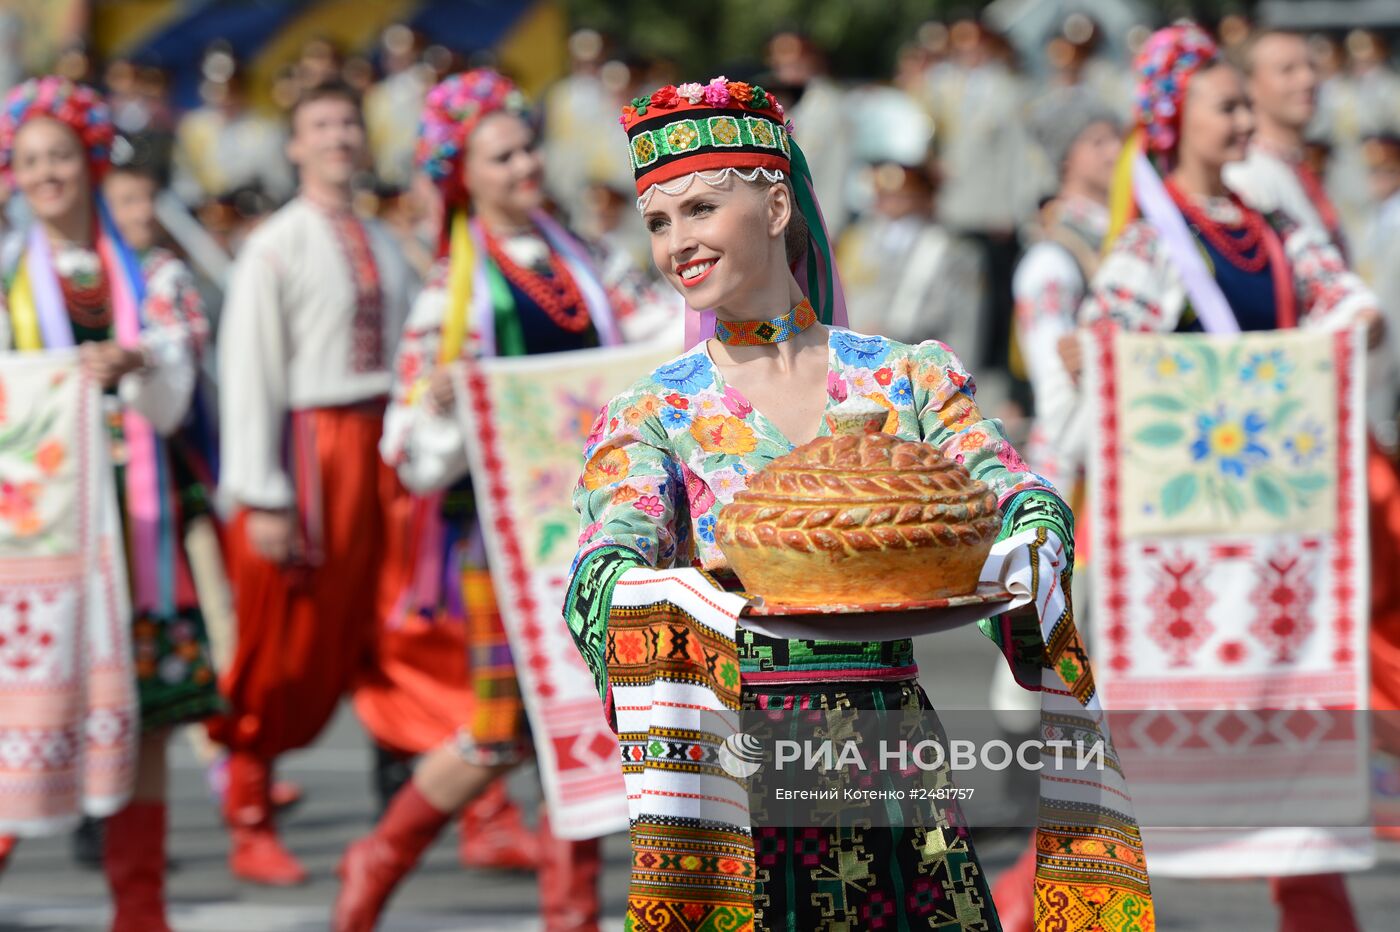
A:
x: 690, y: 373
x: 1306, y: 444
x: 675, y: 418
x: 705, y: 528
x: 1267, y: 370
x: 1231, y: 441
x: 856, y: 350
x: 902, y: 392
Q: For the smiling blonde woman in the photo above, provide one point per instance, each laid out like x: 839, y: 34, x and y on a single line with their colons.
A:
x: 726, y: 197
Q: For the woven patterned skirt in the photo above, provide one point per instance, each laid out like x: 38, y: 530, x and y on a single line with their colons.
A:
x: 840, y: 879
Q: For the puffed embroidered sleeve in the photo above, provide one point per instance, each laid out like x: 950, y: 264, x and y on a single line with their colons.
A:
x: 950, y: 420
x: 627, y: 500
x: 1329, y: 294
x: 1135, y: 286
x: 628, y: 492
x: 174, y: 335
x: 1048, y: 289
x: 426, y: 448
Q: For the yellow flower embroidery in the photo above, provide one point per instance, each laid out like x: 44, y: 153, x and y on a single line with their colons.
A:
x: 610, y: 464
x: 723, y: 434
x: 647, y: 406
x: 959, y: 413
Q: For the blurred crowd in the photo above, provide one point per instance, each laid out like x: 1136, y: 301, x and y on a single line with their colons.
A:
x: 932, y: 177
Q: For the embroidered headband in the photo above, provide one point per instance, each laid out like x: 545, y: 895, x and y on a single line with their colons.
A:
x: 722, y: 128
x: 451, y: 112
x: 716, y: 127
x: 77, y: 106
x: 1164, y: 66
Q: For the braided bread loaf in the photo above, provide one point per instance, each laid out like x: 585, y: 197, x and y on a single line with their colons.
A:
x: 859, y: 518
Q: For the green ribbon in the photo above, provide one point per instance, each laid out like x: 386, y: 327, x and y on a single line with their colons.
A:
x: 510, y: 338
x: 820, y: 285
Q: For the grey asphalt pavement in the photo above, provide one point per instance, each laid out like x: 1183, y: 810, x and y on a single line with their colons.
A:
x: 45, y: 890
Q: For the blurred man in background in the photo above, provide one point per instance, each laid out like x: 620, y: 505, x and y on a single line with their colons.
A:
x: 225, y: 144
x: 1282, y: 85
x: 819, y: 111
x: 989, y: 189
x: 906, y: 276
x: 393, y: 104
x: 315, y: 307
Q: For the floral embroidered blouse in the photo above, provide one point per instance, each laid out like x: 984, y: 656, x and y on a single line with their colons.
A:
x: 173, y: 333
x: 666, y: 455
x: 1138, y: 288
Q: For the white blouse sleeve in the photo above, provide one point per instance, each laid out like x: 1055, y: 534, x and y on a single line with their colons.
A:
x: 171, y: 341
x: 428, y: 450
x: 1048, y: 288
x: 1135, y: 286
x: 253, y: 364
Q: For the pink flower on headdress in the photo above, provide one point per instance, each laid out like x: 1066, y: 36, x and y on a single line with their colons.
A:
x: 717, y: 92
x: 693, y: 92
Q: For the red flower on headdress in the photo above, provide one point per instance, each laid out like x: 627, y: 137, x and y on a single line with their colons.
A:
x: 79, y: 107
x: 664, y: 97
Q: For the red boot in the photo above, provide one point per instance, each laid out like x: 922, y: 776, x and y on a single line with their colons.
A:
x: 1013, y: 893
x: 257, y: 855
x: 374, y: 865
x: 494, y: 834
x: 569, y: 871
x: 1313, y: 901
x: 133, y: 857
x: 7, y: 847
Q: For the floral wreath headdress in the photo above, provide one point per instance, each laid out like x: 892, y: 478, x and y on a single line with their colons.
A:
x: 1164, y: 67
x: 720, y: 129
x: 77, y: 106
x: 451, y: 112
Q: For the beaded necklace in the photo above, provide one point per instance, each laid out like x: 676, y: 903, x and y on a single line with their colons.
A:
x: 557, y: 294
x: 774, y: 330
x: 1245, y: 252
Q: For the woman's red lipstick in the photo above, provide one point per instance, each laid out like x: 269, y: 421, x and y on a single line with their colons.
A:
x: 692, y: 282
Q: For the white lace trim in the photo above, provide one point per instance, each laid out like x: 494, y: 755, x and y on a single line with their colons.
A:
x: 714, y: 179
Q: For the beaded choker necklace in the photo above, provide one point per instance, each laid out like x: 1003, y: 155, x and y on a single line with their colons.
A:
x: 774, y: 330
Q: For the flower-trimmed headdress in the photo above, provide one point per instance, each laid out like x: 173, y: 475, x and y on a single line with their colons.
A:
x: 1164, y: 66
x: 721, y: 128
x: 451, y: 112
x: 77, y: 106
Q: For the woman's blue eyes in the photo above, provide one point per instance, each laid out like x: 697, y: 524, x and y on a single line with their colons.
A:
x: 696, y: 210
